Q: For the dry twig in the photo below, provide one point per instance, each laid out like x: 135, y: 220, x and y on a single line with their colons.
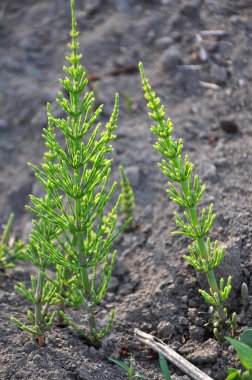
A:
x: 183, y: 364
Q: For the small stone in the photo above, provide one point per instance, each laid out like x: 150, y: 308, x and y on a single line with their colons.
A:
x: 123, y: 6
x: 30, y: 43
x: 120, y: 269
x: 192, y: 303
x: 231, y: 265
x: 38, y: 360
x: 3, y: 125
x: 29, y: 346
x: 229, y: 126
x: 207, y: 354
x: 113, y: 284
x: 218, y: 74
x: 163, y: 42
x: 150, y: 36
x: 171, y: 57
x: 92, y: 6
x: 183, y: 321
x: 13, y: 64
x: 165, y: 329
x: 197, y: 333
x: 133, y: 173
x: 225, y: 48
x: 191, y: 9
x: 125, y: 289
x: 39, y: 119
x: 84, y: 372
x: 21, y: 374
x: 207, y: 170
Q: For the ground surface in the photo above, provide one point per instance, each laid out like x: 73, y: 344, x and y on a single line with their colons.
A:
x: 152, y: 288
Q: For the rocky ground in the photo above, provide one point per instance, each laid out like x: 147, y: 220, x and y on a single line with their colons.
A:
x: 205, y: 83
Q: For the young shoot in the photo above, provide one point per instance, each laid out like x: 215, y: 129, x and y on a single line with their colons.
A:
x: 75, y: 175
x: 42, y: 293
x: 128, y: 201
x: 10, y: 251
x: 186, y: 189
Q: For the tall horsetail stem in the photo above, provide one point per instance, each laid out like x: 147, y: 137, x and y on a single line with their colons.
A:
x: 75, y: 176
x: 187, y: 192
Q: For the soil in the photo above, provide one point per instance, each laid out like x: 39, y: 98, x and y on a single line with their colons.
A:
x: 209, y: 102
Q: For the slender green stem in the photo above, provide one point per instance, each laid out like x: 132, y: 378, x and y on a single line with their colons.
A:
x: 210, y: 274
x: 61, y: 304
x: 38, y: 298
x: 77, y: 202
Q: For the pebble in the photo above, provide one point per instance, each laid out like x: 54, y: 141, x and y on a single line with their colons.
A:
x: 39, y: 119
x: 123, y: 6
x: 29, y: 346
x: 22, y: 374
x: 231, y: 265
x: 171, y: 57
x: 38, y: 360
x: 84, y: 373
x: 165, y: 329
x: 3, y: 125
x: 191, y: 8
x: 92, y: 6
x: 13, y: 64
x: 133, y: 173
x: 113, y: 284
x: 197, y: 333
x: 218, y: 74
x: 30, y: 43
x: 125, y: 289
x: 207, y: 169
x: 225, y: 48
x: 120, y: 269
x: 207, y: 354
x: 163, y: 42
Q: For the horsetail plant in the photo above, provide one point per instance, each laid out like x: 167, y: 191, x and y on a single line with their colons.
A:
x: 75, y: 176
x: 42, y: 293
x: 128, y: 201
x: 187, y: 193
x: 9, y: 253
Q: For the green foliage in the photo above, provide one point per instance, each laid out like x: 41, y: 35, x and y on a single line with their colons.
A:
x: 187, y: 193
x: 129, y: 104
x: 74, y: 233
x: 9, y: 253
x: 42, y: 292
x: 245, y: 296
x: 127, y: 199
x: 164, y: 367
x: 243, y: 347
x: 129, y: 369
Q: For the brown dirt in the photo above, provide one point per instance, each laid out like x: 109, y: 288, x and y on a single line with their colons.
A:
x: 152, y: 288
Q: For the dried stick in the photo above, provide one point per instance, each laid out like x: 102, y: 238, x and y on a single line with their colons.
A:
x: 183, y: 364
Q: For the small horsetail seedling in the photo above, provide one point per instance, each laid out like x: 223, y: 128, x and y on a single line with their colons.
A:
x: 127, y: 200
x: 9, y: 254
x: 187, y: 192
x: 75, y: 234
x: 42, y: 293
